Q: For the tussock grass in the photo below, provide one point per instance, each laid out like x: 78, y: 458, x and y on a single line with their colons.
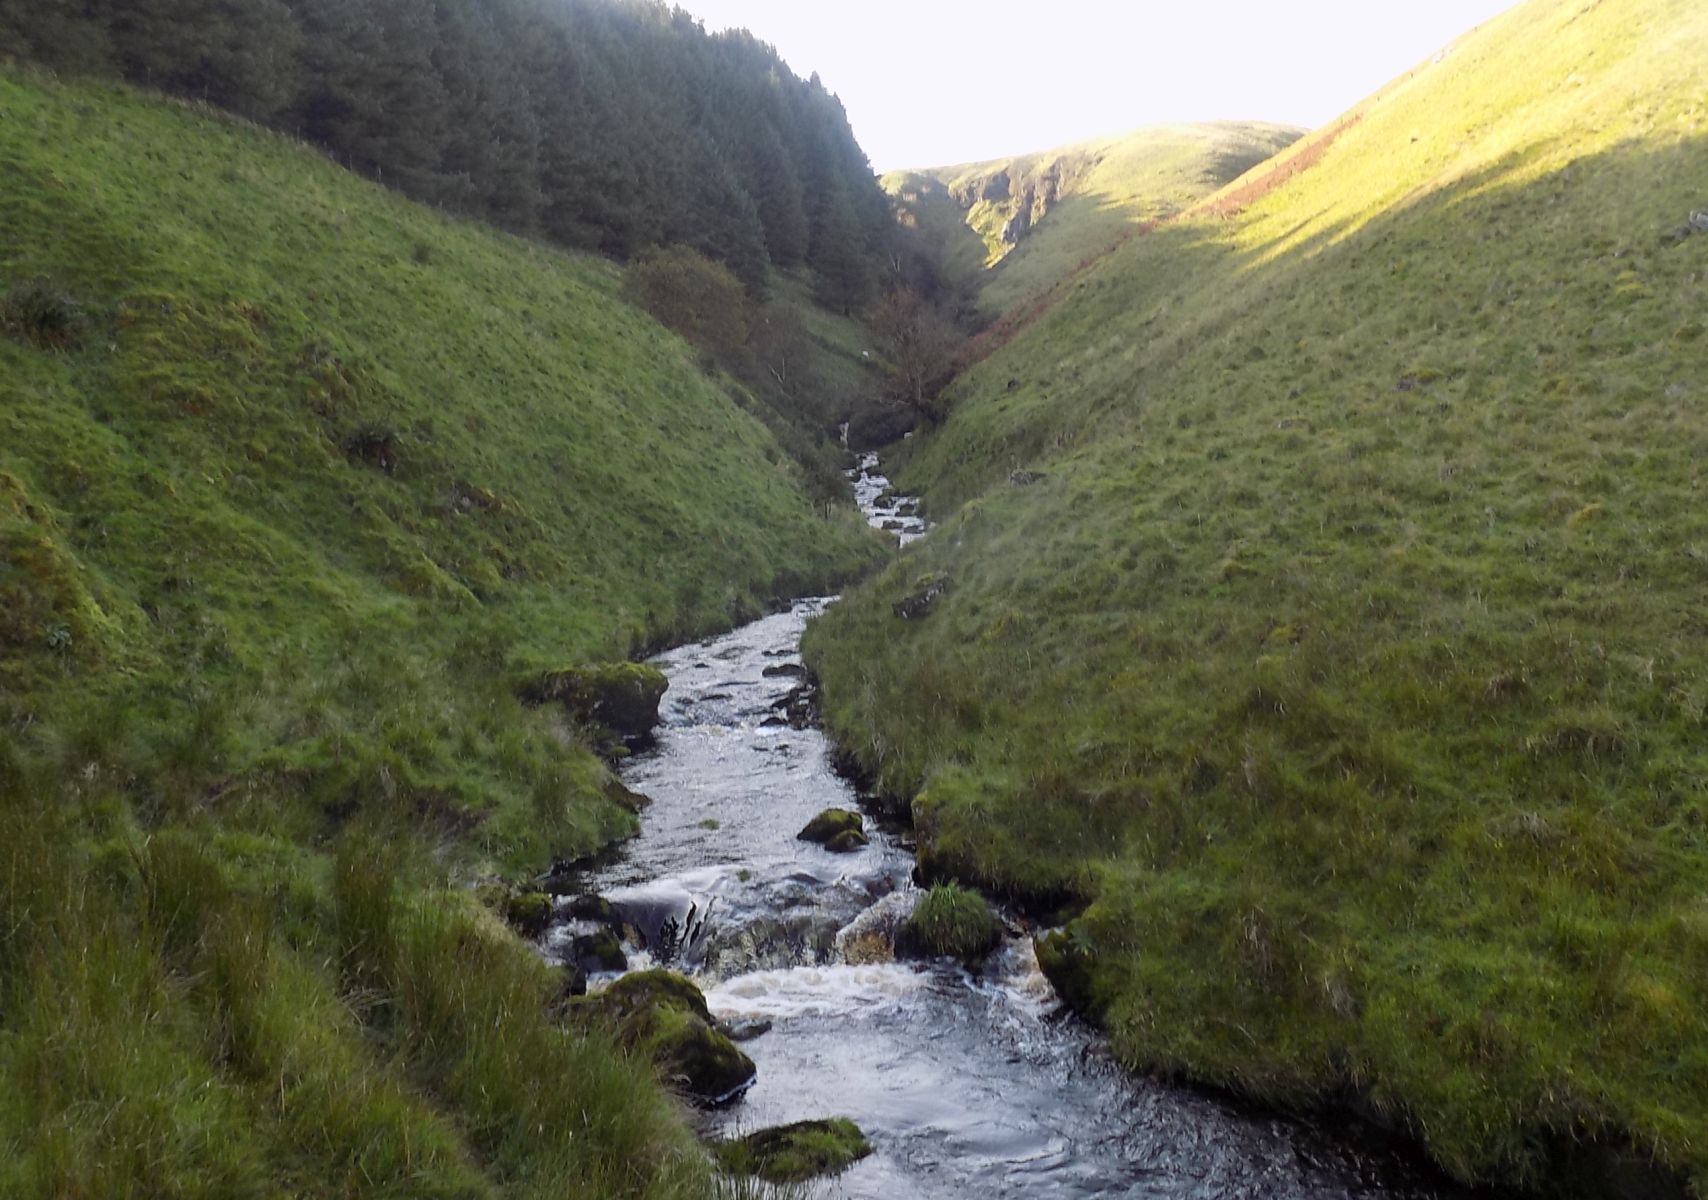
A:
x: 1346, y: 663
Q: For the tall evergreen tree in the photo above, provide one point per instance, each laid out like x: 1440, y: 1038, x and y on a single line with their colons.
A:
x: 490, y: 161
x: 614, y: 125
x: 238, y: 54
x: 370, y: 92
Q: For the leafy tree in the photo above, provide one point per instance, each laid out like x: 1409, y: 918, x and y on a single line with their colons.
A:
x: 689, y: 293
x: 921, y: 344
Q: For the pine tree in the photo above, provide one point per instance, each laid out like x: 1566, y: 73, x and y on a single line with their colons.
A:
x: 238, y: 54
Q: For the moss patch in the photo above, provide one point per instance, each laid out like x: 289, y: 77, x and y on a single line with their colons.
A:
x: 831, y: 824
x: 795, y: 1153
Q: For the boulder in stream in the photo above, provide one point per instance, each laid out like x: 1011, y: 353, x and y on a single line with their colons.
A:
x: 795, y: 1153
x: 528, y: 913
x: 601, y: 951
x: 664, y: 1016
x: 831, y: 824
x: 849, y: 841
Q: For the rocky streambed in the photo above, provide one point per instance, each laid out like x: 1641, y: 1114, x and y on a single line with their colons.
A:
x: 966, y: 1082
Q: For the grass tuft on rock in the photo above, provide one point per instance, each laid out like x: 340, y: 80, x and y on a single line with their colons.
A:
x: 950, y: 922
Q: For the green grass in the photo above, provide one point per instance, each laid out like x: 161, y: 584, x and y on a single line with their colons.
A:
x: 951, y: 922
x: 1108, y: 188
x: 1347, y: 663
x: 299, y: 482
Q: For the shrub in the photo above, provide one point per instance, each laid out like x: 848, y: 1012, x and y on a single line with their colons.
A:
x: 42, y: 315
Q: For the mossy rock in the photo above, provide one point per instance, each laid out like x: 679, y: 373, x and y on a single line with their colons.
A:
x: 664, y: 1016
x: 795, y: 1153
x: 621, y: 697
x: 950, y: 922
x: 592, y: 908
x: 849, y: 841
x: 830, y: 824
x: 656, y: 989
x: 598, y: 952
x: 529, y: 913
x: 1067, y: 963
x: 621, y: 795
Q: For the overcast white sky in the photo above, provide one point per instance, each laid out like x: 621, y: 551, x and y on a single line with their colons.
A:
x: 933, y: 82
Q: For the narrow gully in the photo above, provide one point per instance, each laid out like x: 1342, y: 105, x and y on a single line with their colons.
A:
x: 966, y: 1084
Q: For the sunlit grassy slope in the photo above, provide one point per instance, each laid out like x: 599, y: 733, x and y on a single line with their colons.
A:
x: 316, y: 480
x: 1105, y: 189
x: 1350, y: 660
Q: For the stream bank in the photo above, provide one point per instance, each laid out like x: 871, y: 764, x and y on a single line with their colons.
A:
x: 967, y: 1083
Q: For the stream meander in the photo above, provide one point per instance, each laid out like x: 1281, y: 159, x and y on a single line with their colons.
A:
x: 967, y: 1086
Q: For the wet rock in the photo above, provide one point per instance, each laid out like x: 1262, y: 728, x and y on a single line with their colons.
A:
x: 619, y: 697
x: 895, y: 526
x: 927, y: 590
x: 562, y: 878
x: 950, y: 922
x: 592, y: 952
x: 747, y: 1030
x: 847, y: 842
x: 803, y: 936
x: 830, y: 824
x: 797, y: 706
x: 668, y: 921
x: 529, y: 913
x: 795, y: 1153
x: 781, y: 670
x: 774, y: 723
x: 664, y: 1016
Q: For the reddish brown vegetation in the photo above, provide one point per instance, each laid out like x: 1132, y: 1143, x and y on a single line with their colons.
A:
x: 1224, y: 204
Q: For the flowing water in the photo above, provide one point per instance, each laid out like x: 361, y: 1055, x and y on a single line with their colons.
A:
x: 967, y: 1085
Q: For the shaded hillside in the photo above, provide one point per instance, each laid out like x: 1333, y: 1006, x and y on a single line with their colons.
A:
x: 299, y: 482
x: 1338, y: 647
x: 1026, y: 223
x: 601, y: 124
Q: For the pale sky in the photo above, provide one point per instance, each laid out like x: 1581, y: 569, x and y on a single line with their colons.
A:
x: 934, y: 82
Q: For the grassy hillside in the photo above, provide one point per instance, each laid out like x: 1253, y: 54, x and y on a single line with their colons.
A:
x: 1347, y: 662
x: 1070, y: 204
x: 298, y: 481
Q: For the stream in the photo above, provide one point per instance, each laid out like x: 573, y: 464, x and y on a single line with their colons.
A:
x: 967, y: 1085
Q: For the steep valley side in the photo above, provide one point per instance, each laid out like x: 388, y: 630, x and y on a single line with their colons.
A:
x: 1316, y: 616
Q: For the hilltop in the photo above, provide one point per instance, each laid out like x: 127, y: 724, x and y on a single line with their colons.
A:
x: 299, y: 482
x: 1010, y: 228
x: 1318, y: 619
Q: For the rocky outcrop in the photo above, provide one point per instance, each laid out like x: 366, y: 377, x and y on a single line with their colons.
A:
x: 618, y: 698
x: 926, y: 592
